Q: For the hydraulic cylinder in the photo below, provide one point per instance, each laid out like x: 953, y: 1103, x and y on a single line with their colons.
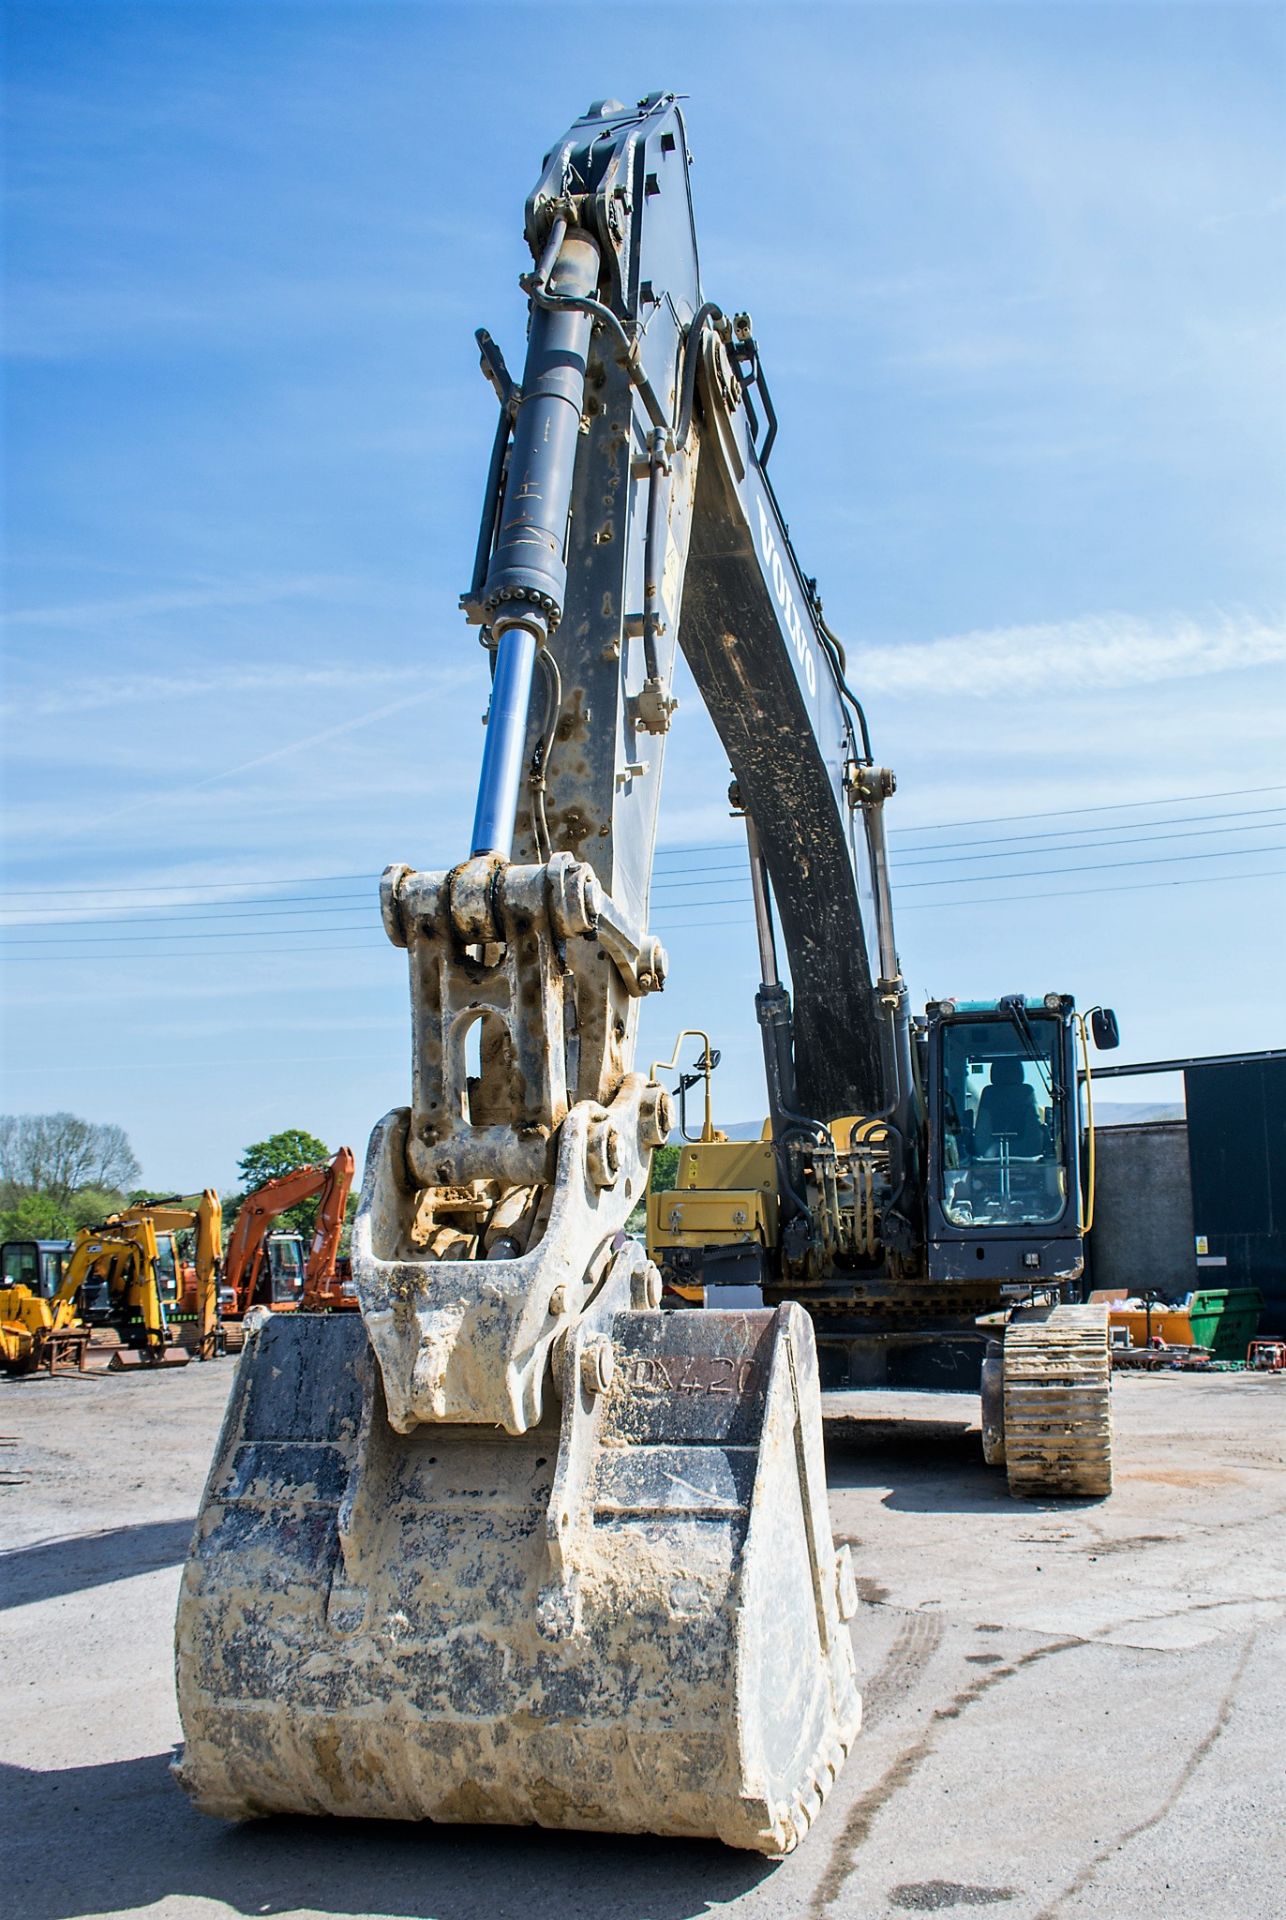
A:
x: 527, y: 578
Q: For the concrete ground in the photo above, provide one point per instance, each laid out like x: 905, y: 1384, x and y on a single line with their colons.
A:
x: 1069, y: 1709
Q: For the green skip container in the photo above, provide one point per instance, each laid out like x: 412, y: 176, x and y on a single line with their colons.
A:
x: 1225, y: 1319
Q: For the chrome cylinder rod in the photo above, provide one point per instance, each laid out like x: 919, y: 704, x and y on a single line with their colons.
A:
x: 504, y: 753
x: 763, y: 908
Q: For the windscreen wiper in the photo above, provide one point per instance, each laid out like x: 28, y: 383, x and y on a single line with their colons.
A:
x: 1012, y: 1004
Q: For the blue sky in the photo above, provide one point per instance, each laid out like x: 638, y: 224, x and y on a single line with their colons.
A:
x: 1017, y: 275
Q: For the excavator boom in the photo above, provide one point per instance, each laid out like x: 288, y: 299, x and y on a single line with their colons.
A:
x: 322, y: 1290
x: 245, y: 1265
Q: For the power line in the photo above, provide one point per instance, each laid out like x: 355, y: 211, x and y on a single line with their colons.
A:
x: 243, y: 953
x: 1021, y: 899
x: 304, y: 903
x: 1095, y: 866
x: 278, y: 880
x: 1030, y: 873
x: 296, y: 905
x: 1059, y: 893
x: 352, y: 901
x: 204, y: 886
x: 678, y: 907
x: 734, y: 867
x: 1126, y: 840
x: 240, y: 933
x: 667, y: 853
x: 1127, y: 829
x: 684, y: 926
x: 1117, y: 806
x: 1131, y: 836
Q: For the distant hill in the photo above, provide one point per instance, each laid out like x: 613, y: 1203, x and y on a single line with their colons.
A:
x: 1136, y: 1113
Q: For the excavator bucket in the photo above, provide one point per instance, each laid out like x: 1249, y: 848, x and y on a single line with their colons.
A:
x: 629, y: 1618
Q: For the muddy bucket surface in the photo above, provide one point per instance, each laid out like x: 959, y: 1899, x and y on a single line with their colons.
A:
x: 629, y: 1619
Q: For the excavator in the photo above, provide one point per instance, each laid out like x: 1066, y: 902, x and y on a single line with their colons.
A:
x: 514, y: 1544
x: 144, y: 1290
x: 36, y: 1328
x: 267, y: 1269
x: 122, y: 1274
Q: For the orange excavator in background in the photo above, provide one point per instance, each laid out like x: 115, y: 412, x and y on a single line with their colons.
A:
x: 266, y: 1269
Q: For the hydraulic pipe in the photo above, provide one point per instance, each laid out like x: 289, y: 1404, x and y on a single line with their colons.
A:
x: 527, y: 578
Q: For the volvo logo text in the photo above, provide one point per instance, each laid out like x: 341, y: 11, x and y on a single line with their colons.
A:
x: 785, y: 599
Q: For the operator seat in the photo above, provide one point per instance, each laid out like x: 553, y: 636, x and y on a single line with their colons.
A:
x: 1008, y: 1106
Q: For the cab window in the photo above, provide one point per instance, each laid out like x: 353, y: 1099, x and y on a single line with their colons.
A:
x: 1003, y: 1161
x: 167, y: 1279
x: 53, y: 1261
x: 21, y: 1260
x: 286, y: 1261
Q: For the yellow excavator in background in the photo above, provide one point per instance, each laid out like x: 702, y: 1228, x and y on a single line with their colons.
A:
x: 129, y: 1271
x: 123, y: 1274
x: 37, y: 1328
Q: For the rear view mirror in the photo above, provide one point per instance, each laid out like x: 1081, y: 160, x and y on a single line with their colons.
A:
x: 1104, y: 1028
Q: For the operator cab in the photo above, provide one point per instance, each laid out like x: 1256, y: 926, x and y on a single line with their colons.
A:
x: 1004, y: 1158
x: 1004, y: 1199
x: 286, y: 1261
x: 38, y: 1264
x: 167, y: 1268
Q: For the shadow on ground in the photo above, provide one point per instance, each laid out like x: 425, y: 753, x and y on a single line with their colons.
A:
x: 86, y: 1560
x: 927, y: 1466
x: 337, y: 1866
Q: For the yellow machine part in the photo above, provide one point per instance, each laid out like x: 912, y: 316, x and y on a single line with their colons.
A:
x: 24, y: 1317
x: 126, y: 1252
x: 703, y: 1217
x: 28, y: 1323
x: 726, y: 1191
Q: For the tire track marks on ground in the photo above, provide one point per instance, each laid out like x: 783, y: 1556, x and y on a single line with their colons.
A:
x: 1222, y: 1716
x: 865, y: 1809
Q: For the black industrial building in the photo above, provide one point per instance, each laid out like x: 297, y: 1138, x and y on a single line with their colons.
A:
x: 1201, y: 1203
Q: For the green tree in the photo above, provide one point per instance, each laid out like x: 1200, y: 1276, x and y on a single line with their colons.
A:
x: 268, y: 1160
x: 35, y: 1216
x: 665, y: 1171
x: 90, y: 1206
x: 665, y: 1168
x: 59, y: 1173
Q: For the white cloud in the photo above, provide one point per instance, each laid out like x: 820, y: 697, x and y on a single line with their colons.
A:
x: 133, y: 690
x: 229, y: 593
x: 1099, y: 651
